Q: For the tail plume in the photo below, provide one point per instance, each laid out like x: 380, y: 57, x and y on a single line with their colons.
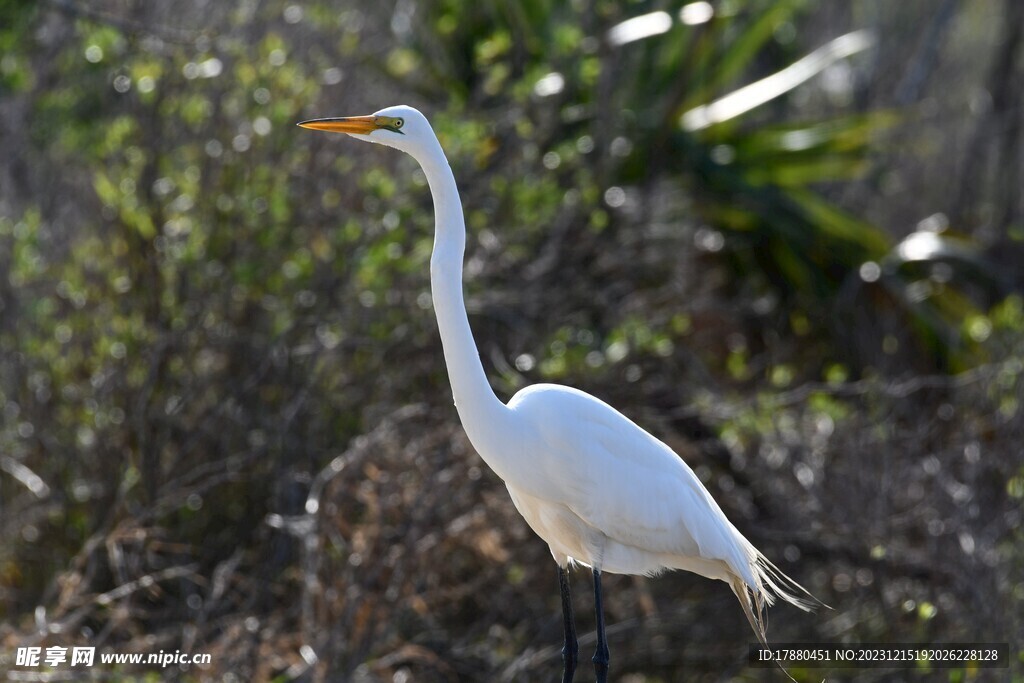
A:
x: 771, y: 584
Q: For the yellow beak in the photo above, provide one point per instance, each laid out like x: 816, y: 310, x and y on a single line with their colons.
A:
x: 362, y: 125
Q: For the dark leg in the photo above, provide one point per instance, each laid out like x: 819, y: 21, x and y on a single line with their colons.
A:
x: 571, y: 648
x: 601, y: 655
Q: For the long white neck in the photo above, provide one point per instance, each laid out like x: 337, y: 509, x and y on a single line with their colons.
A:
x: 482, y: 414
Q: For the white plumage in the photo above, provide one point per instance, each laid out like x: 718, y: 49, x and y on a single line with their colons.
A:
x: 612, y: 496
x: 596, y: 487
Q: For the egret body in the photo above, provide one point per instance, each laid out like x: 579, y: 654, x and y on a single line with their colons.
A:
x: 596, y: 487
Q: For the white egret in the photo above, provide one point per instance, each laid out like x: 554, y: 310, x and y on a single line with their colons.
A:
x: 597, y: 488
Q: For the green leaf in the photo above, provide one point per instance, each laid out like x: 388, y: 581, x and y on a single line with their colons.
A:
x: 715, y: 71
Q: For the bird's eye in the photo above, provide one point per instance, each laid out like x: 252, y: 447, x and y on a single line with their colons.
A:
x: 399, y: 123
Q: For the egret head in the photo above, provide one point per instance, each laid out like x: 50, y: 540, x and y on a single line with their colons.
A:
x: 401, y: 127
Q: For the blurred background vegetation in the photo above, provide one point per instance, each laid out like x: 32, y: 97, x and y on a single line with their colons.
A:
x: 787, y: 236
